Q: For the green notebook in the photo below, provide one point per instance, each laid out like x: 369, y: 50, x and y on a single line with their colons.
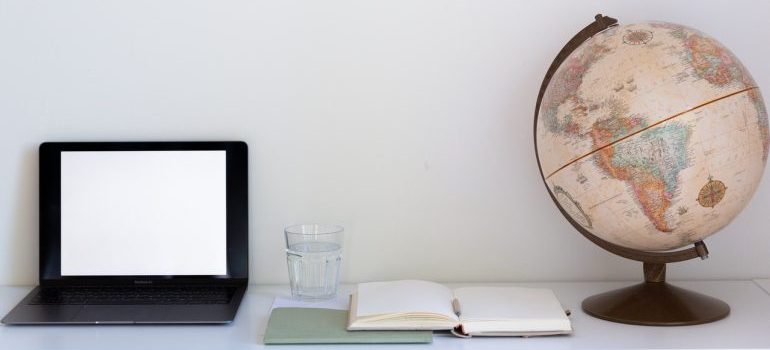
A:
x: 326, y: 326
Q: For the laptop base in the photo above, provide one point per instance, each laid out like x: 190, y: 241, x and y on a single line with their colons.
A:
x: 33, y: 314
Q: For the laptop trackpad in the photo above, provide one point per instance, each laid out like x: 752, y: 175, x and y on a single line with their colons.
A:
x: 120, y: 313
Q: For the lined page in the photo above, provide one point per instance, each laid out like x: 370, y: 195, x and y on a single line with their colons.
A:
x: 405, y: 296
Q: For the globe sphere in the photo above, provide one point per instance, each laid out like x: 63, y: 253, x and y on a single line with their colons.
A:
x: 652, y: 136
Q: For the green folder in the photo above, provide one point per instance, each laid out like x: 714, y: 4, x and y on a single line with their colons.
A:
x: 292, y: 325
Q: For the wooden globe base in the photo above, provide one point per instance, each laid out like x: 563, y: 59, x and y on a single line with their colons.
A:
x: 655, y: 303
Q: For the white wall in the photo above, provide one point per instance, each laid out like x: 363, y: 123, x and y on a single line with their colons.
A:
x: 407, y: 121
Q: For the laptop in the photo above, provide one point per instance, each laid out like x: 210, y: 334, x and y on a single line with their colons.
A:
x: 140, y: 232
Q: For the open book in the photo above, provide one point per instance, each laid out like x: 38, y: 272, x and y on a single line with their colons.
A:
x: 484, y: 311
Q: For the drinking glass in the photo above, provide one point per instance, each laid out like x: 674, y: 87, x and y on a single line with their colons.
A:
x: 314, y: 253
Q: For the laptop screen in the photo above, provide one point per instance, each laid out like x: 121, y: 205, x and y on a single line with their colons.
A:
x: 133, y: 213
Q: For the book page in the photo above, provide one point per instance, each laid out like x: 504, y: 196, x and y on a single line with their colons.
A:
x: 405, y: 296
x: 511, y: 309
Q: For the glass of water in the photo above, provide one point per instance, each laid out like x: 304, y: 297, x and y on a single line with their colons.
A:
x: 314, y: 253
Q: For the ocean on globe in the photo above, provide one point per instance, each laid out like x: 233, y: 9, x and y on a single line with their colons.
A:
x: 652, y: 136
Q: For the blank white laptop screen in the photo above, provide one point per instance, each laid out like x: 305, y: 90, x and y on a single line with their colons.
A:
x: 143, y: 213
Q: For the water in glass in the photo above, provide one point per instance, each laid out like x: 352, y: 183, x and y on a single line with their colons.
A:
x: 314, y: 269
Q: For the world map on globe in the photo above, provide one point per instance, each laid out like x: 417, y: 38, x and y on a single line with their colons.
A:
x: 652, y: 135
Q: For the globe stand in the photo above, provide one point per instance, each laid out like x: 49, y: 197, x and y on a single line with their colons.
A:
x: 654, y: 302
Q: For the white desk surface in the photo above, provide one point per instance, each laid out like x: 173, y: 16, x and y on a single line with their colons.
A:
x: 748, y: 326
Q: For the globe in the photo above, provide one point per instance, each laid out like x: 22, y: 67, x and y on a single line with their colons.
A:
x: 652, y: 136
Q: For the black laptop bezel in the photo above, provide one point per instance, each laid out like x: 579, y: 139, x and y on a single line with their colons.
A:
x: 236, y: 217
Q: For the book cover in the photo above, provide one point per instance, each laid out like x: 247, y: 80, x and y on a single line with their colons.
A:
x: 326, y: 326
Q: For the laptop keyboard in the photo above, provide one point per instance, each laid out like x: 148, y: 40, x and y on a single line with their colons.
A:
x: 172, y: 295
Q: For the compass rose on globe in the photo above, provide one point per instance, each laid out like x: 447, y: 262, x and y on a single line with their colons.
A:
x: 711, y: 193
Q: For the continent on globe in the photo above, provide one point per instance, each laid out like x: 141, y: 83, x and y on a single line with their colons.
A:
x: 650, y: 165
x: 636, y: 120
x: 572, y: 207
x: 566, y: 91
